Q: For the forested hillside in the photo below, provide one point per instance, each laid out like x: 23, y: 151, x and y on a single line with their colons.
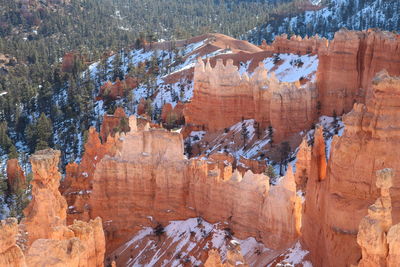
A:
x: 45, y: 45
x: 336, y: 14
x: 35, y: 36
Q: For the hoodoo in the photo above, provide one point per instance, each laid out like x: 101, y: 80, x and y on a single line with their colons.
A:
x: 44, y: 237
x: 342, y: 199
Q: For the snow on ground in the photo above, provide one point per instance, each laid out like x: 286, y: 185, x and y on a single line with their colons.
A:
x: 353, y: 15
x: 184, y: 241
x: 291, y: 67
x: 294, y: 256
x: 231, y: 140
x: 196, y: 136
x: 331, y: 126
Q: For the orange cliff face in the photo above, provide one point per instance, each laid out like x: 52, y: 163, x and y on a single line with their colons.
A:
x: 296, y: 44
x: 341, y: 200
x: 223, y: 97
x: 148, y: 180
x: 375, y: 231
x: 347, y: 66
x: 44, y: 236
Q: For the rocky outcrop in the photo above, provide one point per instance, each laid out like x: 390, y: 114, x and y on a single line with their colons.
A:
x: 15, y: 176
x: 355, y: 57
x: 10, y: 253
x: 296, y: 44
x: 77, y: 183
x: 47, y: 209
x: 81, y: 244
x: 172, y: 115
x: 118, y: 89
x: 154, y: 179
x: 49, y: 241
x: 288, y: 107
x: 342, y: 199
x: 234, y: 258
x: 373, y: 229
x: 114, y: 123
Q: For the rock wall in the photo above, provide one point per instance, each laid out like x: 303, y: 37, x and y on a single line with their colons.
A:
x: 335, y: 205
x: 347, y: 64
x: 350, y: 62
x: 223, y: 97
x: 10, y: 253
x: 374, y: 228
x: 148, y: 179
x: 296, y: 44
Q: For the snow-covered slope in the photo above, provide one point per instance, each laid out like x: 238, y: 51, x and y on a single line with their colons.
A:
x: 337, y: 14
x: 186, y: 243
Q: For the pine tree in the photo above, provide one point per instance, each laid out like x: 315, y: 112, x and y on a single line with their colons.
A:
x: 5, y: 141
x: 12, y: 154
x: 244, y: 133
x: 117, y: 71
x: 271, y: 135
x: 284, y: 152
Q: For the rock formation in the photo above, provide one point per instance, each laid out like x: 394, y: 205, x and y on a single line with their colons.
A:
x: 47, y: 209
x: 118, y: 89
x: 341, y: 200
x: 171, y: 115
x: 373, y: 229
x: 234, y: 258
x: 10, y: 253
x: 49, y: 240
x: 296, y: 44
x: 15, y: 176
x: 350, y: 62
x: 149, y: 176
x: 223, y: 97
x: 354, y: 56
x: 114, y: 123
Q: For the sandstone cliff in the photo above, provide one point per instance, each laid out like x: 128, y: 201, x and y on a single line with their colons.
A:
x: 225, y: 96
x: 149, y: 176
x: 374, y: 228
x: 346, y: 67
x: 350, y: 62
x: 341, y: 200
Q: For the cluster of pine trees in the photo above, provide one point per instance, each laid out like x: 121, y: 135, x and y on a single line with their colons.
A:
x: 38, y: 36
x: 333, y: 15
